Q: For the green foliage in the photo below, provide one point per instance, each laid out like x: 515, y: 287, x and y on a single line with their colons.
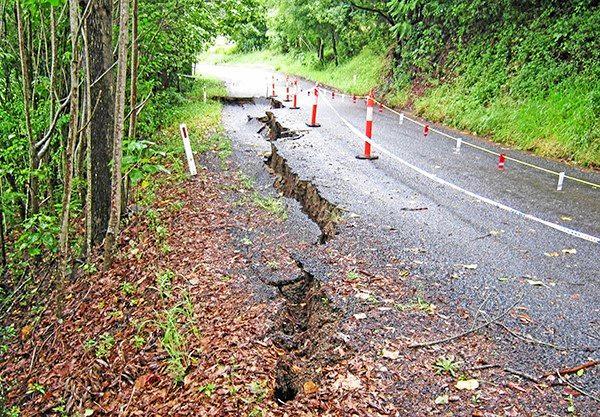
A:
x: 39, y: 235
x: 128, y: 289
x: 324, y: 30
x: 164, y: 283
x: 141, y: 159
x: 208, y: 389
x: 7, y: 334
x: 272, y: 205
x: 244, y: 22
x: 446, y: 365
x: 526, y: 73
x: 101, y: 347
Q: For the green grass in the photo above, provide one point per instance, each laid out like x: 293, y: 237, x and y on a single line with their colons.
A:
x: 203, y: 120
x: 368, y: 66
x: 174, y: 342
x: 556, y: 125
x: 272, y: 205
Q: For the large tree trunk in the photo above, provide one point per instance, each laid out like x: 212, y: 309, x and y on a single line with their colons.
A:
x: 99, y: 26
x: 115, y: 195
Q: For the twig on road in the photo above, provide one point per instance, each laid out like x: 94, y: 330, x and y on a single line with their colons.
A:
x: 521, y: 374
x: 480, y: 308
x: 577, y: 388
x: 530, y: 339
x: 472, y: 330
x: 574, y: 369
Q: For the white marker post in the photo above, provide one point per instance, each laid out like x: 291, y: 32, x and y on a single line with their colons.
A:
x: 188, y: 149
x: 561, y: 179
x: 401, y: 118
x: 458, y: 143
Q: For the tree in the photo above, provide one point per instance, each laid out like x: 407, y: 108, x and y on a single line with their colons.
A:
x: 115, y: 193
x: 101, y: 63
x: 71, y: 138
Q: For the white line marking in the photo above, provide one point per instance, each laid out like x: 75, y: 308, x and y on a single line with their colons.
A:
x: 439, y: 180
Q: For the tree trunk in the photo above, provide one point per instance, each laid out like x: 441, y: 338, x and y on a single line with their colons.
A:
x: 99, y: 24
x: 26, y: 84
x: 71, y: 139
x: 134, y: 70
x: 321, y: 50
x: 334, y: 46
x: 89, y: 243
x: 115, y: 193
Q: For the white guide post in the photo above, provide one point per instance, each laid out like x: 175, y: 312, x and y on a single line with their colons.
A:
x: 561, y: 179
x: 458, y: 143
x: 188, y: 149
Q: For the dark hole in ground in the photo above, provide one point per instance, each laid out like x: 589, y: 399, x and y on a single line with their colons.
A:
x: 236, y: 101
x: 285, y: 383
x: 304, y: 331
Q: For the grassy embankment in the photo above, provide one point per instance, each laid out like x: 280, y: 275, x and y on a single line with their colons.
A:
x: 557, y: 124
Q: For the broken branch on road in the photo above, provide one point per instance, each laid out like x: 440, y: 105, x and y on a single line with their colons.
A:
x: 472, y: 330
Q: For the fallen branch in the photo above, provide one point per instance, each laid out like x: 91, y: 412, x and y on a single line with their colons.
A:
x: 472, y: 330
x: 577, y: 388
x: 574, y: 369
x: 530, y: 339
x: 522, y: 374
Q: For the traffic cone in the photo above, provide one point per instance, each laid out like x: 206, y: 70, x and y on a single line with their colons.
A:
x: 368, y: 131
x: 501, y: 161
x: 295, y: 101
x: 313, y: 116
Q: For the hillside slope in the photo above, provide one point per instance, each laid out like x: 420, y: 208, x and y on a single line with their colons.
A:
x: 524, y: 74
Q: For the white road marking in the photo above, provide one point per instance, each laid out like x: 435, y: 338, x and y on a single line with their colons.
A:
x: 439, y: 180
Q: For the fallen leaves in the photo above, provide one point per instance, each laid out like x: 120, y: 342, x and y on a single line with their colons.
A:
x: 556, y: 254
x: 538, y: 283
x: 441, y: 399
x: 348, y: 382
x: 467, y: 384
x: 390, y: 354
x: 310, y: 387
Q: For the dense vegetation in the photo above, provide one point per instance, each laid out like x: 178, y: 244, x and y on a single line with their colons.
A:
x: 526, y: 72
x: 86, y: 86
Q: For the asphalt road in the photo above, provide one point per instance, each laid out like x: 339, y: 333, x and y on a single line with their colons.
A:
x: 464, y: 250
